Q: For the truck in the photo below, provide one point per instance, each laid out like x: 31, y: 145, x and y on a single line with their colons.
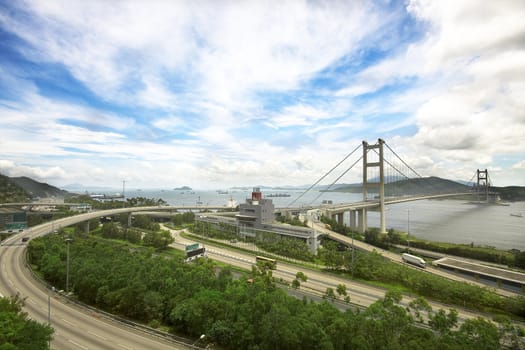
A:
x: 414, y: 260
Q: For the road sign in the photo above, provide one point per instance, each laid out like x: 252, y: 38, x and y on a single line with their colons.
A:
x: 15, y: 226
x: 192, y: 247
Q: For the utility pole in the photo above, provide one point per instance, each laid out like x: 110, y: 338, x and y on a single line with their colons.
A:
x: 67, y: 265
x: 123, y: 193
x: 408, y: 229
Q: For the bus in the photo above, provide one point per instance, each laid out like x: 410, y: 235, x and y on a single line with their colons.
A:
x: 270, y: 263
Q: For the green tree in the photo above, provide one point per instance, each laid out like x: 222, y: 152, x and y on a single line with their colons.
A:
x: 17, y: 330
x: 341, y: 289
x: 442, y: 322
x: 329, y: 294
x: 301, y: 276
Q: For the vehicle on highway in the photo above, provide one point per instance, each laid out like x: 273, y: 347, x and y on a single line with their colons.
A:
x: 269, y: 263
x: 414, y: 260
x: 25, y: 239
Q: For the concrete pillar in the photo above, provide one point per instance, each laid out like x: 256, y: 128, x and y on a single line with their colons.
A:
x: 340, y: 218
x: 382, y: 186
x: 353, y: 225
x: 362, y: 221
x: 86, y: 228
x: 129, y: 220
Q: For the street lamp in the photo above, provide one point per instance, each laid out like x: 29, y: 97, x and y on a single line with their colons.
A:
x: 408, y: 229
x: 200, y: 338
x: 67, y: 240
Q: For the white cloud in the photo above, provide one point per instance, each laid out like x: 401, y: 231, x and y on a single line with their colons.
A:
x: 519, y: 165
x: 12, y: 169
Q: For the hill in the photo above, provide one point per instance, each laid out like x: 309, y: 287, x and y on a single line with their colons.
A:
x: 11, y: 192
x: 428, y: 185
x: 38, y: 189
x: 21, y: 189
x: 511, y: 193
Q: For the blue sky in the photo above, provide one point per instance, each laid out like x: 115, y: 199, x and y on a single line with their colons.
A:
x: 213, y: 94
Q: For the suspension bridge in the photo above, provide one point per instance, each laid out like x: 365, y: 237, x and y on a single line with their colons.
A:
x: 388, y: 179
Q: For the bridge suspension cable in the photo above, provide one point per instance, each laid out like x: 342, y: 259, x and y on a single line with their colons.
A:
x: 333, y: 183
x: 401, y: 159
x: 325, y: 175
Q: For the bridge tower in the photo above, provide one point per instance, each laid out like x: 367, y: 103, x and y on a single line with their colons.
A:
x: 369, y: 185
x: 483, y: 182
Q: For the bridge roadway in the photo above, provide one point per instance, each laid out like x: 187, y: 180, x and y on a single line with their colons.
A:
x: 341, y: 208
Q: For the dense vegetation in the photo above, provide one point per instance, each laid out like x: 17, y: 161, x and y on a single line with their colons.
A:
x: 373, y: 267
x: 17, y: 330
x: 197, y: 299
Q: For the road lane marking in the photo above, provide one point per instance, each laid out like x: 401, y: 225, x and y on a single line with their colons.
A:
x: 77, y: 344
x: 124, y: 347
x: 96, y: 335
x: 10, y: 282
x: 68, y: 322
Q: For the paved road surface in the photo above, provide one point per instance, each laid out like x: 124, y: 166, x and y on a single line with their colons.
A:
x: 74, y: 328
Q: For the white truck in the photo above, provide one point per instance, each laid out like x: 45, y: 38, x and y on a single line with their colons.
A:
x: 414, y: 260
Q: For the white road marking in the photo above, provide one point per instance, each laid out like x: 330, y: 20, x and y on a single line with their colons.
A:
x: 77, y: 344
x: 11, y: 282
x: 31, y: 301
x: 68, y: 322
x: 124, y: 347
x: 96, y: 335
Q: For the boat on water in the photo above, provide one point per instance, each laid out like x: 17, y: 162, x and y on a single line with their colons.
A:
x: 518, y: 215
x: 273, y: 195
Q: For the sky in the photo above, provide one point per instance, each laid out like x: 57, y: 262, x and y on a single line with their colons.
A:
x: 213, y: 94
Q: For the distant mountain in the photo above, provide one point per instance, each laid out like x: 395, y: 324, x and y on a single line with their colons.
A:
x: 38, y: 189
x: 511, y: 193
x: 427, y: 185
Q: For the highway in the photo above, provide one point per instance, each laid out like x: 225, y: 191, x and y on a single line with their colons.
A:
x: 77, y: 329
x: 397, y: 258
x: 74, y: 327
x: 361, y: 294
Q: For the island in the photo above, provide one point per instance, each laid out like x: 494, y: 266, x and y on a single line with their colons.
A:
x: 183, y: 188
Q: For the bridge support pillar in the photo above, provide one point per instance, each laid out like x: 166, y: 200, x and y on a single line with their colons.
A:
x: 353, y: 225
x: 129, y: 220
x: 340, y: 218
x: 86, y: 228
x: 362, y: 221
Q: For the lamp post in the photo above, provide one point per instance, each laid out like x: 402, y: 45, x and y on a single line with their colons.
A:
x: 200, y: 338
x: 408, y: 229
x: 68, y: 240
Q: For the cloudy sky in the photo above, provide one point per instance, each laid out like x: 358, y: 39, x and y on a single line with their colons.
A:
x: 213, y: 94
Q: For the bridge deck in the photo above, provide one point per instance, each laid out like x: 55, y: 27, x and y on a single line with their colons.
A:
x: 482, y: 270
